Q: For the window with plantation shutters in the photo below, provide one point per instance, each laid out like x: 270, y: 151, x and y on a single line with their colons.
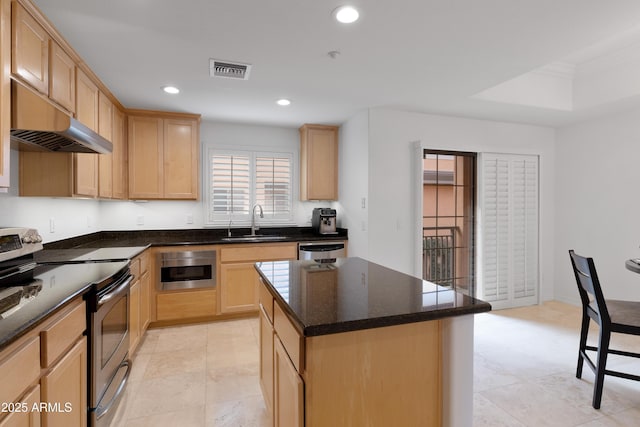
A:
x: 273, y: 186
x: 509, y: 230
x: 240, y: 179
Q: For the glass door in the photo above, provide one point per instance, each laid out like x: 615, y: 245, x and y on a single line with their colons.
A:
x: 448, y: 219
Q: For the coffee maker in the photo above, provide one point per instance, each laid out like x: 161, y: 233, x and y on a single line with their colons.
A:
x: 323, y: 221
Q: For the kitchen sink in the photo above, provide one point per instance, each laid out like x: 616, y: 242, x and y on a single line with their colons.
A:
x: 250, y: 238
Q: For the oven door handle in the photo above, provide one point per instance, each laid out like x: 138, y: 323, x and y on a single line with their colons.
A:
x: 101, y: 410
x: 108, y: 297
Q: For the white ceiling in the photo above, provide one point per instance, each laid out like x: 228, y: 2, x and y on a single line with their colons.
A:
x: 416, y: 55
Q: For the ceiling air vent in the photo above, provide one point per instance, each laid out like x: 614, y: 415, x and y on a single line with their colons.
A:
x: 228, y: 69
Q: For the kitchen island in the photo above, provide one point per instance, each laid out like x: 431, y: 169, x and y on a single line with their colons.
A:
x: 355, y: 343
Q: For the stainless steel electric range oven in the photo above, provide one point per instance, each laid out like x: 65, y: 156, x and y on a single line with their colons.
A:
x: 33, y: 284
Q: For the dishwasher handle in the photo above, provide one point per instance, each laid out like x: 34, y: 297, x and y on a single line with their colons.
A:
x: 327, y: 247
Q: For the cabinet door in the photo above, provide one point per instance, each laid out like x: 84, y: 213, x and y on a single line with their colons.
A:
x: 145, y: 302
x: 87, y: 99
x: 30, y: 50
x: 238, y: 288
x: 62, y: 77
x: 145, y: 158
x: 181, y: 159
x: 86, y: 165
x: 119, y: 156
x: 86, y: 174
x: 288, y: 390
x: 318, y: 162
x: 28, y: 418
x: 5, y: 91
x: 134, y: 316
x: 266, y: 360
x: 105, y: 161
x: 66, y: 385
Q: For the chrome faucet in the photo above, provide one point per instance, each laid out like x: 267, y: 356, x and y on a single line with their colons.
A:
x: 254, y: 227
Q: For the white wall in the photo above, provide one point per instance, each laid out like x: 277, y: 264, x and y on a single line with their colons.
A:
x: 76, y: 217
x: 353, y: 182
x: 391, y: 200
x: 597, y: 207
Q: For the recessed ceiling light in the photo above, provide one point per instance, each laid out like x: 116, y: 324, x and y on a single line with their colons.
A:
x: 283, y: 102
x: 346, y: 14
x: 171, y: 89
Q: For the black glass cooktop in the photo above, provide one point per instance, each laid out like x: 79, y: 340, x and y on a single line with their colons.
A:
x: 28, y: 297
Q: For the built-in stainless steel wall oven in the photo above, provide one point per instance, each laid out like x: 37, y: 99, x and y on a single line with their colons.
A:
x: 108, y: 312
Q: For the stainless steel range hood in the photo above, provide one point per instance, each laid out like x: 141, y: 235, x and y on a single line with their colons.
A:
x: 38, y: 125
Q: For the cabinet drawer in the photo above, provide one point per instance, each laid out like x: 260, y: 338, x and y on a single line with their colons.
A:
x: 291, y: 339
x: 253, y: 253
x: 185, y: 305
x: 62, y: 333
x: 19, y: 369
x: 134, y: 267
x: 144, y: 262
x: 266, y: 300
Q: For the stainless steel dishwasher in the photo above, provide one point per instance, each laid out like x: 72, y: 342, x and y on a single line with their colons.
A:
x: 187, y: 270
x: 322, y: 251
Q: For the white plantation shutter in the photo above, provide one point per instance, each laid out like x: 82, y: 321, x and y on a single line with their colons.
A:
x: 230, y: 186
x: 273, y: 186
x: 240, y: 179
x: 509, y: 231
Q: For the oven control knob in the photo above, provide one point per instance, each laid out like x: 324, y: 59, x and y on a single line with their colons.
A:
x: 37, y: 238
x: 26, y: 239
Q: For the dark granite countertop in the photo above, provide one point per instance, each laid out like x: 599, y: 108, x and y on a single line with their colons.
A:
x: 353, y: 294
x: 204, y: 236
x: 32, y: 299
x: 79, y: 255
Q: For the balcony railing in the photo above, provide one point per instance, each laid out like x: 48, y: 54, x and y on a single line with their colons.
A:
x: 438, y: 255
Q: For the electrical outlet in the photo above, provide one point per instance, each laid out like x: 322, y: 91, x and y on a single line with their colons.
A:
x: 52, y: 225
x: 140, y: 220
x: 189, y: 218
x: 363, y: 203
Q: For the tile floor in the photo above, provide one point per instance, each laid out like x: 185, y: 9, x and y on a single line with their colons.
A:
x: 207, y: 375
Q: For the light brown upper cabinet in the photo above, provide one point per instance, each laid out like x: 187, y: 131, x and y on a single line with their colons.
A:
x: 5, y: 90
x: 62, y: 77
x: 87, y: 101
x: 105, y: 161
x: 47, y: 174
x: 86, y: 165
x: 119, y: 155
x: 30, y: 49
x: 318, y: 162
x: 163, y: 155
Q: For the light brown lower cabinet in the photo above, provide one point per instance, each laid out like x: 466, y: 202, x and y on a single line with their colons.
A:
x: 65, y: 387
x: 182, y: 305
x: 29, y: 417
x: 288, y: 390
x: 44, y: 373
x: 134, y: 316
x: 375, y: 377
x: 139, y: 300
x: 266, y: 358
x: 239, y: 290
x: 239, y: 278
